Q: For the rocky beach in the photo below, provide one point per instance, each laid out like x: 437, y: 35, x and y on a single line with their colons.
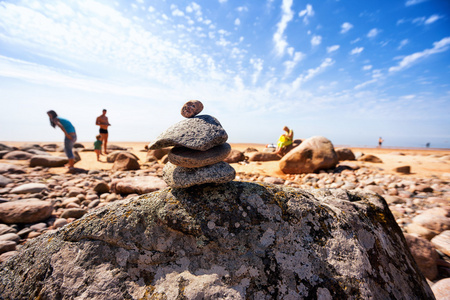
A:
x: 39, y: 196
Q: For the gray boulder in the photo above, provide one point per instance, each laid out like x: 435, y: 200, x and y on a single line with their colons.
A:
x: 198, y: 133
x: 232, y: 241
x: 48, y: 161
x: 188, y: 158
x: 180, y: 177
x: 313, y: 154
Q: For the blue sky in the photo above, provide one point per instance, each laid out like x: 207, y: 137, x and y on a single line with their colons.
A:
x: 351, y: 71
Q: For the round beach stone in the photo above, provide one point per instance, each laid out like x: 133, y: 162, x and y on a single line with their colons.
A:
x: 180, y: 177
x: 25, y: 211
x: 198, y: 133
x: 188, y: 158
x: 191, y: 108
x: 28, y: 188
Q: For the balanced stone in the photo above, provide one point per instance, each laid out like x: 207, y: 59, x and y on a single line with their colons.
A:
x: 180, y: 177
x: 191, y: 108
x: 188, y: 158
x: 198, y: 133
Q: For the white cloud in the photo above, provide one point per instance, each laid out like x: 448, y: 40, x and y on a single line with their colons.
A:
x: 312, y: 73
x: 306, y: 13
x: 258, y: 66
x: 345, y: 27
x: 333, y: 48
x: 290, y: 64
x: 194, y: 7
x: 407, y: 61
x: 242, y: 8
x: 432, y: 19
x: 151, y: 9
x: 413, y: 2
x: 402, y: 44
x: 237, y: 22
x: 278, y: 37
x: 177, y: 13
x: 367, y: 67
x: 425, y: 20
x: 316, y: 40
x: 223, y: 1
x: 356, y: 50
x: 373, y: 33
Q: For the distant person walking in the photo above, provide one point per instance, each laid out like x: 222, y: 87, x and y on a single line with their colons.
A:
x: 102, y: 121
x: 285, y: 140
x: 69, y: 132
x: 380, y: 142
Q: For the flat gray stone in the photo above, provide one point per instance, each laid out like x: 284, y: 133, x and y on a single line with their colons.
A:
x: 188, y: 158
x: 28, y: 188
x: 4, y: 181
x: 48, y: 161
x: 198, y: 133
x: 180, y: 177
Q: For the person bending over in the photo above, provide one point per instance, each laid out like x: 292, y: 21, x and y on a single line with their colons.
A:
x: 69, y: 132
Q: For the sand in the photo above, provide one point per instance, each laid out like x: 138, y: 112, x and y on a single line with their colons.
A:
x: 424, y: 163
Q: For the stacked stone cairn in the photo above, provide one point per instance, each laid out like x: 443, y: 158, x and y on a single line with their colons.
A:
x: 199, y: 148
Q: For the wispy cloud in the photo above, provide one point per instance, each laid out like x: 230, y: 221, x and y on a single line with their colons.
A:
x: 278, y: 37
x: 333, y: 48
x: 345, y: 27
x: 357, y: 50
x: 258, y: 67
x: 327, y: 62
x: 407, y: 61
x: 290, y: 64
x: 413, y: 2
x: 402, y: 44
x: 306, y: 13
x: 373, y: 33
x: 432, y: 19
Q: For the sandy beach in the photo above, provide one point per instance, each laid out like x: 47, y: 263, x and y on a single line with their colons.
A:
x: 424, y: 163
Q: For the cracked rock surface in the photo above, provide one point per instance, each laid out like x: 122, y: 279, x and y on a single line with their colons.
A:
x: 237, y: 240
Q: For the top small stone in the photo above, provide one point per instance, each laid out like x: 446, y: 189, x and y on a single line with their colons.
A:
x: 191, y: 108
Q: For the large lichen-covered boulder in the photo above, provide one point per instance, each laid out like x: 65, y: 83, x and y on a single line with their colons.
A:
x: 237, y: 240
x: 313, y: 154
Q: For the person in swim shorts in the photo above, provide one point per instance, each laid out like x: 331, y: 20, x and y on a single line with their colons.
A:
x: 69, y: 132
x: 285, y: 140
x: 103, y: 122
